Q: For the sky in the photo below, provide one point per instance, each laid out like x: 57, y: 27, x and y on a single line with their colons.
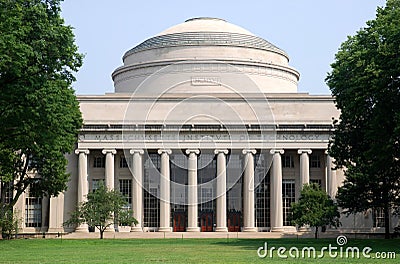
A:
x: 310, y: 31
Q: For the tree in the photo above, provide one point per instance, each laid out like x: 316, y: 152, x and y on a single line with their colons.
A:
x: 9, y: 225
x: 39, y: 113
x: 102, y: 209
x: 315, y: 208
x: 366, y: 142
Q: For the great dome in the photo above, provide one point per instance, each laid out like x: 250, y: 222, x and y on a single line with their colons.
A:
x: 199, y: 43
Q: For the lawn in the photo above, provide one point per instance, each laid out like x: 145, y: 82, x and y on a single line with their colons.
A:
x: 178, y: 250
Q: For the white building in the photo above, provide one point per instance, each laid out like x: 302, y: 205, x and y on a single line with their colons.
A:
x: 206, y: 131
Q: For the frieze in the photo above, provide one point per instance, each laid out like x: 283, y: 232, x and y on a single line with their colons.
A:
x: 204, y: 137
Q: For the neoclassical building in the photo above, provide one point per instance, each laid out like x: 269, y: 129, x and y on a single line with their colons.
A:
x: 205, y: 131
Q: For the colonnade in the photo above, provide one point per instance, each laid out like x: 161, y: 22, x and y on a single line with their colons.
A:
x: 221, y: 206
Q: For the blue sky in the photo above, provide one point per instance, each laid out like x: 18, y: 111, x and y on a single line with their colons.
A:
x: 310, y: 31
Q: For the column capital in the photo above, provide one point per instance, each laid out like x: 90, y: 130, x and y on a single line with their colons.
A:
x: 112, y: 151
x: 195, y: 151
x: 217, y: 151
x: 277, y: 151
x: 301, y: 151
x: 85, y: 151
x: 248, y: 151
x: 133, y: 151
x: 167, y: 151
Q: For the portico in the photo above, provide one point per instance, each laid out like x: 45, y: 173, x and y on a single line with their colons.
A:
x: 251, y: 168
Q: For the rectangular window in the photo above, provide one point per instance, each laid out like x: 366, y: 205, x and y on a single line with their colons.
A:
x: 125, y: 188
x: 9, y: 192
x: 99, y: 162
x: 379, y: 217
x: 317, y: 181
x: 287, y: 161
x: 33, y: 210
x: 151, y: 184
x: 288, y: 195
x: 124, y: 162
x: 315, y: 161
x: 96, y: 184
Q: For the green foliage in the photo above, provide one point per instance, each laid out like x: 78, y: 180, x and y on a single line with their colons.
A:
x: 102, y: 209
x: 315, y: 208
x: 9, y: 224
x: 39, y: 113
x: 365, y: 83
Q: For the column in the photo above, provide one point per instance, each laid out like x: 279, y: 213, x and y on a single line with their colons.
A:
x: 304, y: 166
x: 330, y: 177
x: 221, y: 190
x: 193, y: 225
x: 276, y: 191
x: 109, y: 178
x: 83, y: 187
x: 165, y: 199
x: 57, y: 214
x: 109, y: 170
x: 248, y: 192
x: 137, y: 188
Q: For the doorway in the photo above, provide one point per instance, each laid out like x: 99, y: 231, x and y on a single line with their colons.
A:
x: 179, y: 222
x: 206, y: 221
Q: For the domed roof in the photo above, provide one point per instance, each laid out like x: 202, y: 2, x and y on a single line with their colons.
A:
x: 205, y: 31
x: 205, y: 49
x: 205, y: 24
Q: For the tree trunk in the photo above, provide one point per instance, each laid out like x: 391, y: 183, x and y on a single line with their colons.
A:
x: 387, y: 220
x: 316, y: 232
x: 101, y: 234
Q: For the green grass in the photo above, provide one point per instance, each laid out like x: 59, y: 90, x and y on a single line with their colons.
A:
x: 175, y: 250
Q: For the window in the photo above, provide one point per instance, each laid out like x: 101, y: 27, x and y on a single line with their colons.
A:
x: 124, y: 162
x: 9, y: 192
x: 206, y: 202
x: 96, y: 184
x: 151, y: 183
x: 125, y: 188
x: 315, y: 161
x: 33, y: 210
x: 99, y: 162
x: 151, y: 208
x: 378, y: 217
x: 317, y: 181
x: 287, y: 161
x: 263, y: 203
x: 288, y: 195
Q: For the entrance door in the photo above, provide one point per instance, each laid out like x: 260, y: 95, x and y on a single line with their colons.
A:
x: 234, y: 222
x: 206, y: 222
x: 179, y: 221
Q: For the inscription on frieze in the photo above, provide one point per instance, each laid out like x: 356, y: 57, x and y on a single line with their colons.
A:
x: 205, y: 137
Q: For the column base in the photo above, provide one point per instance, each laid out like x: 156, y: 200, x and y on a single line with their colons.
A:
x: 136, y: 229
x: 304, y: 229
x: 193, y: 229
x: 277, y: 229
x: 249, y: 229
x: 289, y: 229
x: 221, y: 229
x: 56, y: 230
x: 165, y: 229
x: 83, y: 228
x: 110, y: 229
